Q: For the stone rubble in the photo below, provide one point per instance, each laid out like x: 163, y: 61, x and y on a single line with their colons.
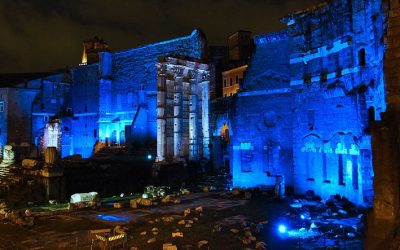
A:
x: 202, y: 243
x: 169, y: 246
x: 151, y: 240
x: 177, y: 234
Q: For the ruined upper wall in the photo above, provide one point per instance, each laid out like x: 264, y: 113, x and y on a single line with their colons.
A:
x: 269, y: 64
x: 314, y: 28
x: 338, y: 49
x: 85, y: 98
x: 135, y: 68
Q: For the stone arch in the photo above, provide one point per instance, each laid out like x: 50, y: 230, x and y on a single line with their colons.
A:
x: 343, y: 143
x: 222, y: 137
x: 113, y: 137
x: 224, y: 133
x: 122, y: 137
x: 222, y: 124
x: 312, y: 149
x: 312, y: 143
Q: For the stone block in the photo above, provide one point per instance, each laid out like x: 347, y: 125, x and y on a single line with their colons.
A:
x: 29, y: 163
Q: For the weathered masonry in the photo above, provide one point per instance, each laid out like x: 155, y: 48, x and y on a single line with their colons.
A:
x: 182, y: 110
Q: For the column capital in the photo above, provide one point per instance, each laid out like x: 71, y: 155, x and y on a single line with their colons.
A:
x: 193, y: 74
x: 177, y: 71
x: 205, y: 76
x: 161, y: 69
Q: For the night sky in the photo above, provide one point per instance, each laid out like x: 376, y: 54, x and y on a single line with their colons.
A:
x: 45, y: 35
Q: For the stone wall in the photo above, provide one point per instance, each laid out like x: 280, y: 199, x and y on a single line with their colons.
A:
x: 52, y: 99
x: 100, y: 101
x: 269, y: 60
x: 128, y: 85
x: 336, y: 67
x: 308, y: 99
x: 262, y: 138
x: 18, y: 114
x: 85, y: 108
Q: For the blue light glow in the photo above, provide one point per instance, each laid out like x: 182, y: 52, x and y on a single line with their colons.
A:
x: 302, y: 217
x: 149, y: 157
x: 111, y: 218
x: 282, y: 229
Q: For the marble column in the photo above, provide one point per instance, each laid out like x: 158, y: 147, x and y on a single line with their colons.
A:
x: 193, y: 122
x: 161, y: 119
x: 178, y: 102
x: 205, y: 118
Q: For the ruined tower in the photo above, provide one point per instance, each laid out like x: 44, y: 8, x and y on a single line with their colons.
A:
x: 91, y: 49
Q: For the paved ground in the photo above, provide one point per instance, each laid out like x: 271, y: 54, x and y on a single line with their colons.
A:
x: 220, y: 215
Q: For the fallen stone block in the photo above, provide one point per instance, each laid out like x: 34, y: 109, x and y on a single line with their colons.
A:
x: 29, y: 163
x: 177, y: 235
x: 186, y: 212
x: 151, y: 240
x: 169, y: 246
x: 118, y: 205
x: 261, y: 245
x: 144, y: 202
x: 202, y: 243
x: 167, y: 219
x: 133, y: 203
x: 184, y: 191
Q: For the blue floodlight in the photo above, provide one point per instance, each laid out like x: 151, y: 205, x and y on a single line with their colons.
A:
x: 282, y: 229
x: 149, y: 157
x: 111, y: 218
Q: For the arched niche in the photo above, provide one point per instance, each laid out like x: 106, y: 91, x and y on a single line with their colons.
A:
x: 312, y: 143
x: 345, y: 143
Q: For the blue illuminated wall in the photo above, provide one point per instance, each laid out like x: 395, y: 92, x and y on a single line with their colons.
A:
x: 107, y: 98
x: 128, y: 87
x: 113, y: 101
x: 15, y: 117
x: 52, y: 99
x: 262, y: 127
x: 337, y: 67
x: 308, y: 99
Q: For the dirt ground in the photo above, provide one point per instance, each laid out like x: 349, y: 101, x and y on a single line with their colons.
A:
x: 226, y: 222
